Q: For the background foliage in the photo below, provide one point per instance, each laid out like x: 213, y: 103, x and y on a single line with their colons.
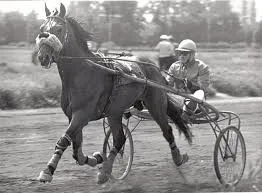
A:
x: 124, y: 22
x: 23, y: 85
x: 117, y: 24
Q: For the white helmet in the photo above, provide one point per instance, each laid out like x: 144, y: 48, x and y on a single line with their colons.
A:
x: 187, y: 45
x: 164, y: 37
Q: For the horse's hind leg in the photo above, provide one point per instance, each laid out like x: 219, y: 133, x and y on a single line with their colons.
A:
x: 115, y: 123
x: 80, y: 157
x: 158, y: 111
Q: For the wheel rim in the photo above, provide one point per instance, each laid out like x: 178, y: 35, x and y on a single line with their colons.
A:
x: 123, y: 161
x: 230, y: 156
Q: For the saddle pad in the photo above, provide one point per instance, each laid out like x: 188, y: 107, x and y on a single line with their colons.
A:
x: 128, y: 67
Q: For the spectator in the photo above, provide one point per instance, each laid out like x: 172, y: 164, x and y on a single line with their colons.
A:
x: 166, y: 52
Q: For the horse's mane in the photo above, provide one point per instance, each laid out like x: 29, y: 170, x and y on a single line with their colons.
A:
x: 81, y: 34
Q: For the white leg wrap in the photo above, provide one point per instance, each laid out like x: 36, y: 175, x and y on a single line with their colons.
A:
x: 68, y: 138
x: 92, y: 160
x: 100, y: 157
x: 173, y: 145
x: 55, y: 158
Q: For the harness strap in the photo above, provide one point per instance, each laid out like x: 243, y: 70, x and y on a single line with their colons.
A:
x: 109, y: 100
x: 105, y: 62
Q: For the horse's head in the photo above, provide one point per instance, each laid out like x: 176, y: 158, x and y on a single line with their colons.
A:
x: 53, y: 34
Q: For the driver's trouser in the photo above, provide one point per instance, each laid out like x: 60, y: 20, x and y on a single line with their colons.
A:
x: 192, y: 106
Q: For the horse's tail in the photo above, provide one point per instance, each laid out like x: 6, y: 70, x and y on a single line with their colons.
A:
x: 174, y: 113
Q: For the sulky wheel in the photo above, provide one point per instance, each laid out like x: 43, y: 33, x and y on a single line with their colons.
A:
x: 230, y: 156
x: 123, y: 161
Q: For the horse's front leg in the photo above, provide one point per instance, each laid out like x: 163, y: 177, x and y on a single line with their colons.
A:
x: 62, y: 144
x: 118, y: 142
x: 73, y: 134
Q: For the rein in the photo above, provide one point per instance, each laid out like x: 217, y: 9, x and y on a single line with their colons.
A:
x: 89, y: 59
x: 145, y: 81
x: 108, y: 58
x: 126, y: 60
x: 119, y: 59
x: 102, y: 58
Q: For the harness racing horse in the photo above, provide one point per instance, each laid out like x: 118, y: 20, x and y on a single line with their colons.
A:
x: 89, y: 93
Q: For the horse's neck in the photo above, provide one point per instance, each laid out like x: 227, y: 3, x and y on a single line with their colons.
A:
x: 72, y: 49
x: 72, y: 63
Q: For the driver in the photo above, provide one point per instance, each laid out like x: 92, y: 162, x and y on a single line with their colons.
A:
x: 194, y: 73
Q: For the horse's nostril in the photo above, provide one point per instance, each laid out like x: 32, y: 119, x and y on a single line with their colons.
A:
x: 44, y: 35
x: 40, y: 58
x: 46, y: 57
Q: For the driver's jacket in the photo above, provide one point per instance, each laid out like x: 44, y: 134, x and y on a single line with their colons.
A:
x: 197, y: 72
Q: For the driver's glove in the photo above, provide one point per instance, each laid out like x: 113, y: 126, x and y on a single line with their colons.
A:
x: 188, y: 84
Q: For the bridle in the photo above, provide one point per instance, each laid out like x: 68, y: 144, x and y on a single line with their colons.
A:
x: 64, y: 22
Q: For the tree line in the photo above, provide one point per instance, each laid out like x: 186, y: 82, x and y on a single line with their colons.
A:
x: 126, y: 23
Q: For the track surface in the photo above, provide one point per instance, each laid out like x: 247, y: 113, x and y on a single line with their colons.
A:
x: 28, y: 137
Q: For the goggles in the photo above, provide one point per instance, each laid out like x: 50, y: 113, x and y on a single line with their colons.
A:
x: 183, y: 53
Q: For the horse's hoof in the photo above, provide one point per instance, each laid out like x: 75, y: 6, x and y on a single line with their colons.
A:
x: 178, y: 158
x: 184, y: 159
x: 44, y: 177
x: 102, y: 177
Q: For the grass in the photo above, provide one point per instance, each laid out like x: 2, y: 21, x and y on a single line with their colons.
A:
x: 31, y: 87
x: 24, y: 85
x: 237, y: 74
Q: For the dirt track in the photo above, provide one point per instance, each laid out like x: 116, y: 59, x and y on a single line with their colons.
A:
x: 27, y: 140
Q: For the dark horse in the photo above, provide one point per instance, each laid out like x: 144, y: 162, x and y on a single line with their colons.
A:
x: 89, y: 93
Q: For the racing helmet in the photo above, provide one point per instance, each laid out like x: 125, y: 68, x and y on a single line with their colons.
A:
x: 187, y: 45
x: 164, y: 37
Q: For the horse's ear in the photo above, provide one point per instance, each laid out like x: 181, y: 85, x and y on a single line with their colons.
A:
x: 62, y: 10
x: 47, y: 12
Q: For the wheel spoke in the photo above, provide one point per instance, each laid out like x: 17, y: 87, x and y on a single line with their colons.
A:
x: 230, y: 156
x: 123, y: 161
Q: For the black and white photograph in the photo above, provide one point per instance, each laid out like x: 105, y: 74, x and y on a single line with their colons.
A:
x: 132, y: 96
